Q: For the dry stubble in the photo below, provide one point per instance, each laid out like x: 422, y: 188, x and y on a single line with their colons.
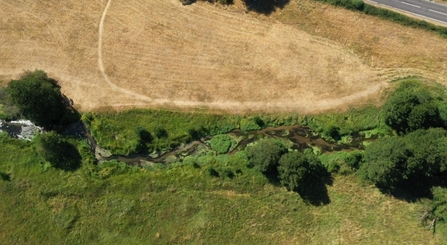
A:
x: 160, y: 53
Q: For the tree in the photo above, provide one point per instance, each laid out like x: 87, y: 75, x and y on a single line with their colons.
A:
x: 413, y: 160
x: 385, y: 162
x: 297, y: 170
x: 56, y: 150
x: 265, y: 155
x: 408, y: 111
x: 38, y: 98
x: 293, y: 168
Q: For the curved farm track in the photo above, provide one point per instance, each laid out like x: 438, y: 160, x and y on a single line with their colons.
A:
x: 140, y: 53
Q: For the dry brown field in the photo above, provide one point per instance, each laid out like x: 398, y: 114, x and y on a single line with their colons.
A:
x: 307, y: 57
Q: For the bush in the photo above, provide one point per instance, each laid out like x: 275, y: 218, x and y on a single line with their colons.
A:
x: 160, y: 132
x: 265, y: 154
x: 56, y: 150
x: 332, y: 133
x: 213, y: 172
x: 354, y: 159
x: 145, y: 137
x: 221, y: 143
x: 8, y: 111
x: 249, y: 125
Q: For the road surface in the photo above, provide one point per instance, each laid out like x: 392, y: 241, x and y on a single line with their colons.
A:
x: 421, y: 8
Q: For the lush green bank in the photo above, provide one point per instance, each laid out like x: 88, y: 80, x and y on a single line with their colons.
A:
x: 54, y: 190
x: 120, y: 132
x: 113, y: 203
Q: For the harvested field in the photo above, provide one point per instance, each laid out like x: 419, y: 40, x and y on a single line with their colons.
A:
x: 156, y: 53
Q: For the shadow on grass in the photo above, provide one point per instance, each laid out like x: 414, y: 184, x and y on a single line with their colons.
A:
x: 413, y: 191
x: 314, y: 191
x: 265, y: 6
x: 70, y: 160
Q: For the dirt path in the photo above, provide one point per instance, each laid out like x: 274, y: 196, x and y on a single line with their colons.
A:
x: 101, y: 64
x: 158, y: 53
x: 227, y: 105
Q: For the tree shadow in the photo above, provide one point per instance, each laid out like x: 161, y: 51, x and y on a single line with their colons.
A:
x: 265, y: 6
x: 5, y: 176
x: 187, y: 2
x: 314, y: 191
x: 413, y: 191
x: 273, y: 177
x: 70, y: 115
x: 69, y: 157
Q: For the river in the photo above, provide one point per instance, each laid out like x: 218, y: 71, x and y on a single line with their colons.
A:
x: 297, y: 137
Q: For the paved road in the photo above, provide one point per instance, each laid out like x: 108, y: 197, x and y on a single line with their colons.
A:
x: 420, y: 8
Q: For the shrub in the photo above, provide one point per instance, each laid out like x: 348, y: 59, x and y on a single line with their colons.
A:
x: 56, y: 150
x: 160, y: 132
x: 221, y: 143
x: 354, y: 159
x: 213, y: 172
x: 332, y: 133
x: 249, y: 125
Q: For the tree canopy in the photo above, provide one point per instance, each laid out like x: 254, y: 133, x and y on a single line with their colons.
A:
x: 415, y: 159
x: 38, y: 98
x: 407, y: 111
x: 265, y: 155
x: 296, y: 168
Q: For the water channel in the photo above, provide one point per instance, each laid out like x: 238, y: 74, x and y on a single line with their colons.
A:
x: 298, y: 137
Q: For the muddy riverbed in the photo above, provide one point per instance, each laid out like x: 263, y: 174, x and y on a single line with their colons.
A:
x: 296, y: 137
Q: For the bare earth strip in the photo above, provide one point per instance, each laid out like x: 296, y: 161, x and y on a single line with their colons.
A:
x: 159, y: 53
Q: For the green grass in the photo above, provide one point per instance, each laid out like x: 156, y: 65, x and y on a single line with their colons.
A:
x: 116, y: 131
x: 183, y: 204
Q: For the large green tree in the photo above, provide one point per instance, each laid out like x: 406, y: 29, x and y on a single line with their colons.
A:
x: 407, y: 111
x: 265, y: 155
x: 39, y: 98
x: 417, y: 158
x: 297, y: 170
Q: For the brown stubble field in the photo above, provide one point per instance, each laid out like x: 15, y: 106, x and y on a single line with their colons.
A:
x: 306, y: 57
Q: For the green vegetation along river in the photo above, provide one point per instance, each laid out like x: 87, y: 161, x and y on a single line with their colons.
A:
x: 296, y: 137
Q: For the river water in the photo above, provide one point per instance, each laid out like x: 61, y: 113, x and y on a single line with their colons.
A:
x: 299, y: 137
x: 22, y: 129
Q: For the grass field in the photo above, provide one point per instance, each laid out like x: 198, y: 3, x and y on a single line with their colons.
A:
x: 110, y: 204
x: 307, y: 57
